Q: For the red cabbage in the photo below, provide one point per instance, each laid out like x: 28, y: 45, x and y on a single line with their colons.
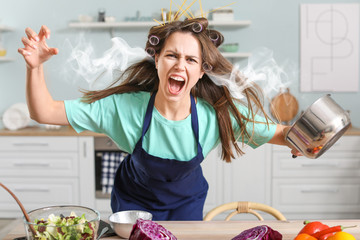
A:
x: 149, y: 230
x: 262, y: 232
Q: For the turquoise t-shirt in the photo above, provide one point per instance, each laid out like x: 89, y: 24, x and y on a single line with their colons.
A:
x: 121, y: 116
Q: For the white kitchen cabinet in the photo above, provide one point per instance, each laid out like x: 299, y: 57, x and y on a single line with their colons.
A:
x: 36, y: 192
x: 246, y: 178
x: 44, y: 171
x: 327, y: 187
x: 55, y: 170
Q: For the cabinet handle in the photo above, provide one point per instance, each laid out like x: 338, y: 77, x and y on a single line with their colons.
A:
x: 31, y: 165
x: 320, y: 164
x: 32, y: 190
x: 334, y: 190
x: 30, y: 144
x: 84, y: 144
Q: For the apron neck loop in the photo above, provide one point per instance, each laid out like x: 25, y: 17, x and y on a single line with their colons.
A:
x: 194, y: 118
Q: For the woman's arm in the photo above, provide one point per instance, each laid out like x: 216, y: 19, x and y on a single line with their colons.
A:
x: 279, y: 139
x: 42, y: 107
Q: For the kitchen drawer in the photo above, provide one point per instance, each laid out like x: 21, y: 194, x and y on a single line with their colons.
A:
x: 36, y: 144
x: 39, y: 164
x: 298, y: 195
x: 335, y: 164
x: 345, y: 143
x: 38, y: 192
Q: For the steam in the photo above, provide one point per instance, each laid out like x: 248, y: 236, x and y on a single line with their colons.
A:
x: 261, y: 69
x: 101, y: 72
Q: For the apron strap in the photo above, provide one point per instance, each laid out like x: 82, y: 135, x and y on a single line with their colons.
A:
x: 194, y: 118
x: 148, y: 114
x: 195, y: 123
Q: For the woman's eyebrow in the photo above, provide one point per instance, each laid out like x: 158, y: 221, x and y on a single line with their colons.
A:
x: 174, y: 52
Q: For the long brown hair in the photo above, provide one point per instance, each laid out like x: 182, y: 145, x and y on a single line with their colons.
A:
x: 142, y: 76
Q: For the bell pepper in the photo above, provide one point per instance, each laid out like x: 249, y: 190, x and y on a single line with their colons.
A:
x: 324, y: 234
x: 304, y: 236
x: 313, y: 227
x: 342, y: 236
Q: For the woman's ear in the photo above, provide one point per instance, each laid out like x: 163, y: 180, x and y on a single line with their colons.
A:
x: 156, y: 60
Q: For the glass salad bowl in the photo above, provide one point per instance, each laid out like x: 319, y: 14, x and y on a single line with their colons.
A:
x: 62, y: 222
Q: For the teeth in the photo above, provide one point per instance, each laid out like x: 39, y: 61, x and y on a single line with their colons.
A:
x: 178, y: 79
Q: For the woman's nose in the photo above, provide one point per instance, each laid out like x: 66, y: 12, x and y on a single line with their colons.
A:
x: 180, y: 65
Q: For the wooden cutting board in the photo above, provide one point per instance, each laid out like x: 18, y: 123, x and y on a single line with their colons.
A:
x: 284, y: 107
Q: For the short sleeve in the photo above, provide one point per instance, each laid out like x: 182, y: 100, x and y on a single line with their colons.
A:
x: 84, y: 116
x: 119, y: 116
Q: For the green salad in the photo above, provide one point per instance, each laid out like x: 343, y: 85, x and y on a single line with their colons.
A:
x: 64, y: 228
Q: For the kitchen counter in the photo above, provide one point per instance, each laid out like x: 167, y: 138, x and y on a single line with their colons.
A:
x: 353, y: 131
x: 223, y: 230
x: 42, y: 131
x: 69, y: 131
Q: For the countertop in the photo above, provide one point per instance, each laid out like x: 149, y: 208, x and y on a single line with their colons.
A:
x: 42, y: 131
x: 69, y: 131
x: 223, y: 230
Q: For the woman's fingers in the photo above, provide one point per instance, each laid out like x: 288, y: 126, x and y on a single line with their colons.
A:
x: 23, y: 52
x: 28, y: 42
x: 44, y: 32
x: 53, y: 51
x: 31, y: 34
x: 295, y: 153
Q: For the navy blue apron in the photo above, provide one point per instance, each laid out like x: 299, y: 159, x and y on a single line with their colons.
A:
x: 168, y: 188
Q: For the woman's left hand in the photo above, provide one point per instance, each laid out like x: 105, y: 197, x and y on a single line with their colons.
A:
x: 279, y: 138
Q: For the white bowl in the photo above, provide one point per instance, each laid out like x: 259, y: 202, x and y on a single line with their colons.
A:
x: 123, y: 222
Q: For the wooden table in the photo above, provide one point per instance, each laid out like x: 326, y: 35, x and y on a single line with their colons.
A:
x: 224, y: 230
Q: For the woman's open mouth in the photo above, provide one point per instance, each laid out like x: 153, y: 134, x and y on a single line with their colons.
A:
x: 176, y: 83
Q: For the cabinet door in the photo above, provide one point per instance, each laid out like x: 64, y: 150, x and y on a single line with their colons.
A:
x: 38, y: 192
x: 45, y: 164
x: 36, y: 144
x: 213, y: 171
x: 322, y: 195
x: 247, y: 178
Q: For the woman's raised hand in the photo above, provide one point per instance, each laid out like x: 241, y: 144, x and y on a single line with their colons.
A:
x: 36, y: 51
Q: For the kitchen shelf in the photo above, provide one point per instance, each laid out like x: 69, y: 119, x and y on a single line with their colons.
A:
x: 235, y: 54
x: 147, y: 24
x: 6, y: 59
x: 4, y: 28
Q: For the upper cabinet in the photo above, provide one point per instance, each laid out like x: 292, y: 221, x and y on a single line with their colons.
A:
x: 141, y: 25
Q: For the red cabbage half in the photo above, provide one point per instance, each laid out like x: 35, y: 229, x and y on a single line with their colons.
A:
x: 262, y: 232
x: 149, y: 230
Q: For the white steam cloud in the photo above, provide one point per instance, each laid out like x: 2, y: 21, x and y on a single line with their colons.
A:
x: 261, y: 69
x: 101, y: 72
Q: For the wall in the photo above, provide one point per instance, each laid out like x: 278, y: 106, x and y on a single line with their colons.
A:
x: 275, y: 25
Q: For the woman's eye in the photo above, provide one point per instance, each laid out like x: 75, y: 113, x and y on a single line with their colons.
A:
x: 171, y: 55
x: 192, y: 60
